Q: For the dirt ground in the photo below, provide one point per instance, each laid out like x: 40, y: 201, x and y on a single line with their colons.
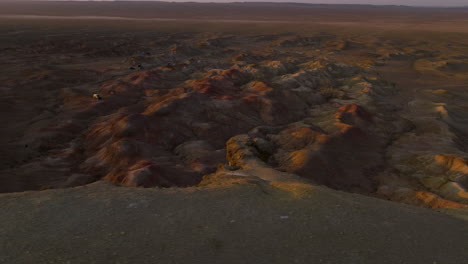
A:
x: 324, y: 134
x: 101, y: 223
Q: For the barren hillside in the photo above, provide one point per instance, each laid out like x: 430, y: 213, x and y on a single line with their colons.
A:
x: 194, y: 140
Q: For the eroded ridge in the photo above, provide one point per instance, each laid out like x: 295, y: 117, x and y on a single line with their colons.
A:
x: 181, y: 110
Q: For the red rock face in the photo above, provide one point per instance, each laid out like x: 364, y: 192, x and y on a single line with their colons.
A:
x: 353, y: 114
x: 147, y: 174
x: 343, y: 160
x: 138, y: 148
x: 161, y: 128
x: 131, y: 84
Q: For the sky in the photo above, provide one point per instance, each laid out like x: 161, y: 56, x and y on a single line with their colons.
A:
x: 375, y: 2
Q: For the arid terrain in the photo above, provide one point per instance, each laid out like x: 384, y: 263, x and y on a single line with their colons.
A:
x: 233, y: 133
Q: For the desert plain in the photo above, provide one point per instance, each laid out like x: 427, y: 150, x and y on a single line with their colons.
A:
x: 233, y: 133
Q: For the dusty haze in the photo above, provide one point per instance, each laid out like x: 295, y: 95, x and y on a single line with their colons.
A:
x: 375, y: 2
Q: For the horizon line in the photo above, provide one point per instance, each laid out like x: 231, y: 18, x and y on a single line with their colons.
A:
x: 248, y: 2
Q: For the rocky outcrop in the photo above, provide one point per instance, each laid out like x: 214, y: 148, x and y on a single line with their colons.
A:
x: 212, y: 109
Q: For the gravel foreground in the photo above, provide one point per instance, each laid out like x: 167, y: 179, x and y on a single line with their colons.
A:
x: 238, y: 223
